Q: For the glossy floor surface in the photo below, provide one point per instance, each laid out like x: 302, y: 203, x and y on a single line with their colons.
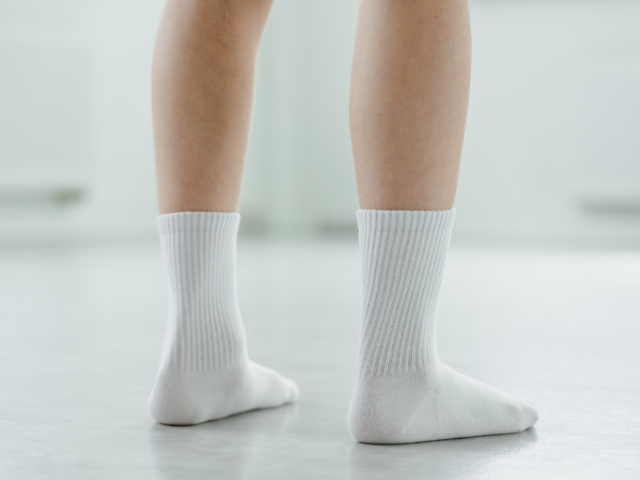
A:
x: 81, y: 331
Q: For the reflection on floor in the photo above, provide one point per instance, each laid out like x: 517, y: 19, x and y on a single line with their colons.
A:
x: 81, y: 330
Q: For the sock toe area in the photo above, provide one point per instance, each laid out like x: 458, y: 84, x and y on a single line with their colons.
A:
x: 528, y: 417
x: 292, y: 389
x: 270, y: 388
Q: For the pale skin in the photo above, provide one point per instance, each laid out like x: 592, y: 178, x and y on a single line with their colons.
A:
x: 408, y: 102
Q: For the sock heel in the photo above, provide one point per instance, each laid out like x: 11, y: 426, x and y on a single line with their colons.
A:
x: 389, y: 410
x: 181, y: 397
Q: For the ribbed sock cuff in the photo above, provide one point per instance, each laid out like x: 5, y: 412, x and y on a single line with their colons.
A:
x: 403, y: 255
x: 406, y: 220
x: 200, y: 253
x: 198, y: 222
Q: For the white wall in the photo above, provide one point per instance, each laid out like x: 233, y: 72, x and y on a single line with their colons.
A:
x: 99, y: 104
x: 551, y: 153
x: 300, y: 176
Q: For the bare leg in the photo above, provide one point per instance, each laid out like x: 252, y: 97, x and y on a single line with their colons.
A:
x: 203, y: 78
x: 409, y: 95
x: 409, y: 98
x: 202, y: 90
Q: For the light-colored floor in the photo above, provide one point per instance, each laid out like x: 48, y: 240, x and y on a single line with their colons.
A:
x: 81, y: 330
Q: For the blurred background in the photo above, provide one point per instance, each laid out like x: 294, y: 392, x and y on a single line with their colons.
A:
x: 540, y: 296
x: 551, y: 154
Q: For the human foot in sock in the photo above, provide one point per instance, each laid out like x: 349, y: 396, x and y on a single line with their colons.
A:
x: 205, y: 373
x: 403, y: 393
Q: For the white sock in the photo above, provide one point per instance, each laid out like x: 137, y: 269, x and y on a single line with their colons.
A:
x: 205, y: 372
x: 404, y: 393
